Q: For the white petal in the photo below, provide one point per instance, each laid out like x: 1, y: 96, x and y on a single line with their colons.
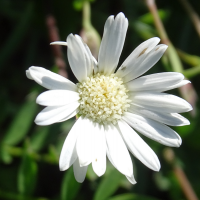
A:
x: 84, y: 145
x: 57, y: 97
x: 79, y: 172
x: 177, y: 85
x: 131, y: 178
x: 59, y: 43
x: 96, y: 67
x: 109, y: 157
x: 154, y: 130
x: 112, y: 43
x: 88, y: 57
x: 54, y: 114
x: 70, y: 115
x: 138, y: 147
x: 137, y: 56
x: 51, y: 80
x: 172, y: 119
x: 68, y: 154
x: 76, y: 57
x: 151, y: 59
x: 99, y: 160
x: 28, y: 74
x: 155, y: 82
x: 118, y: 150
x: 162, y: 101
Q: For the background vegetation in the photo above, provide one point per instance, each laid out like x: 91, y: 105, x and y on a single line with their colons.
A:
x: 29, y: 154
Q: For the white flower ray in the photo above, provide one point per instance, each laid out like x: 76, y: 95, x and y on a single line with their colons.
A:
x: 112, y: 43
x: 138, y: 147
x: 180, y: 84
x: 131, y: 179
x: 53, y: 114
x: 151, y: 59
x: 84, y: 145
x: 79, y: 172
x: 49, y: 79
x: 68, y: 153
x: 171, y: 119
x: 57, y: 97
x: 153, y: 130
x: 77, y: 57
x: 118, y: 150
x: 99, y: 159
x: 154, y: 82
x: 167, y: 102
x: 137, y: 56
x: 70, y: 115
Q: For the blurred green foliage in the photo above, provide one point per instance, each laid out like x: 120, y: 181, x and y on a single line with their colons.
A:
x: 29, y: 154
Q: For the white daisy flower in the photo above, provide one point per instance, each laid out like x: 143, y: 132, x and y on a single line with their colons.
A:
x: 112, y: 106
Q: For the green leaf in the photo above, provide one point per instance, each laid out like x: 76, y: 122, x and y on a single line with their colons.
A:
x: 27, y: 175
x: 145, y: 31
x: 148, y: 17
x: 70, y: 186
x: 192, y: 72
x: 108, y: 185
x: 38, y: 139
x: 161, y: 181
x: 53, y: 153
x: 78, y: 4
x: 174, y: 58
x: 4, y: 155
x: 175, y: 191
x: 192, y: 60
x: 131, y: 197
x: 22, y: 122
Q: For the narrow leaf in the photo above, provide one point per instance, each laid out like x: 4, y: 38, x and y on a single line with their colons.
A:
x: 148, y: 18
x: 21, y: 123
x: 39, y: 137
x: 27, y: 175
x: 108, y: 185
x: 70, y: 187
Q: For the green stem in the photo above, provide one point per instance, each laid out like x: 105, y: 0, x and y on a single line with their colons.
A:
x: 170, y: 157
x: 189, y: 73
x: 86, y: 15
x: 172, y: 54
x: 174, y: 59
x: 90, y: 34
x: 158, y: 23
x: 192, y: 60
x: 18, y: 152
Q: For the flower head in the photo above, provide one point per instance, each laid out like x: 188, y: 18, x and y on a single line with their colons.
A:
x: 112, y: 105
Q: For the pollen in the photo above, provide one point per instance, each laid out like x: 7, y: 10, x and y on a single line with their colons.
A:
x: 103, y: 99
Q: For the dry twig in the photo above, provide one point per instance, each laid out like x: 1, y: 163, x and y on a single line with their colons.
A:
x: 180, y: 175
x: 57, y: 51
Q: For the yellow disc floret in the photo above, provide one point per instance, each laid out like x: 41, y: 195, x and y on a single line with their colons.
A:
x: 103, y: 98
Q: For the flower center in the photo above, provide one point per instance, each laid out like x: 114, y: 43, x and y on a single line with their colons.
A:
x: 103, y: 99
